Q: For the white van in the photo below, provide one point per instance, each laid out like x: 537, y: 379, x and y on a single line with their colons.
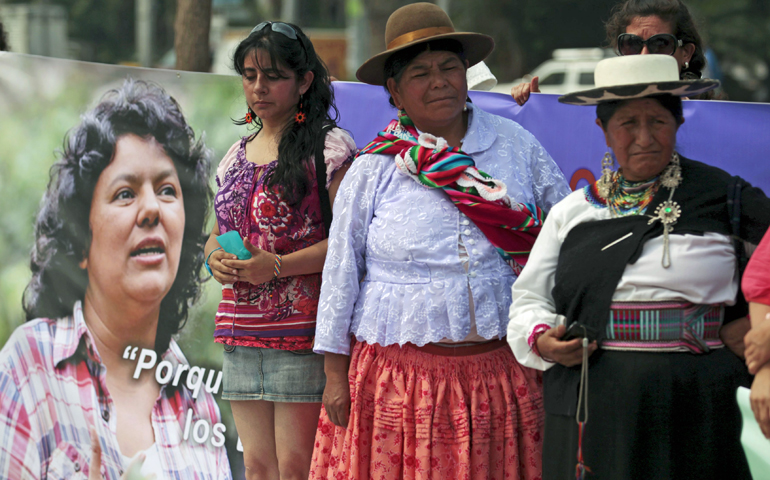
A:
x: 570, y: 70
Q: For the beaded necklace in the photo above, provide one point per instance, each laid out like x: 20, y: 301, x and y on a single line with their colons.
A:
x: 632, y: 198
x: 626, y: 197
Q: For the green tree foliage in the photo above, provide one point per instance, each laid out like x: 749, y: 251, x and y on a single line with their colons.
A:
x: 527, y: 31
x: 321, y: 14
x: 103, y: 30
x: 739, y: 33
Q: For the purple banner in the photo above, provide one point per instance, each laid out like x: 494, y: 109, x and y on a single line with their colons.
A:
x: 730, y: 135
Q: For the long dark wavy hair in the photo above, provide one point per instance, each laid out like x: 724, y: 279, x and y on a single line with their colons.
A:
x: 298, y: 141
x: 671, y: 11
x: 62, y: 229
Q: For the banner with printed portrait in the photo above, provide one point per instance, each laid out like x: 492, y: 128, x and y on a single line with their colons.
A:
x: 131, y: 153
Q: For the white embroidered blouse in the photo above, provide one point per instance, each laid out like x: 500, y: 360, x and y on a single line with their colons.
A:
x: 393, y: 273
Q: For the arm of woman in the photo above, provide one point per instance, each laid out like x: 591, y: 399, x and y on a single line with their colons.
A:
x: 760, y: 399
x: 345, y: 268
x: 550, y: 185
x: 212, y: 249
x: 336, y: 397
x: 345, y: 265
x: 214, y: 257
x: 755, y: 218
x: 534, y: 332
x: 756, y: 289
x: 521, y: 92
x: 757, y: 359
x: 758, y: 339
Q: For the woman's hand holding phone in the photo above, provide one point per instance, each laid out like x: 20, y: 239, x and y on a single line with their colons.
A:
x: 554, y: 349
x: 255, y: 270
x: 221, y: 272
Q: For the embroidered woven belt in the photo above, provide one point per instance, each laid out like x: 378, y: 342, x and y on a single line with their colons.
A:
x: 664, y: 327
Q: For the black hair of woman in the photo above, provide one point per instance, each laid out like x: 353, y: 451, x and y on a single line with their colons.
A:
x: 605, y: 110
x: 62, y: 230
x: 674, y: 12
x: 299, y: 140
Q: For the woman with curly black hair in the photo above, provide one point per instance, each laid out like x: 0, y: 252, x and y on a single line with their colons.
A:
x: 272, y: 191
x: 115, y: 267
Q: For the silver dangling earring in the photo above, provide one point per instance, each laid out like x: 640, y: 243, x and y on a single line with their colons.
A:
x: 686, y: 65
x: 399, y: 127
x: 672, y: 175
x: 605, y: 184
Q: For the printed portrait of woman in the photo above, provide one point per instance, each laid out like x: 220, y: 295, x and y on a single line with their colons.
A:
x: 116, y: 265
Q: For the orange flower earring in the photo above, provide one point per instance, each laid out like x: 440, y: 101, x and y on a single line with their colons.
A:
x: 249, y: 117
x: 300, y: 116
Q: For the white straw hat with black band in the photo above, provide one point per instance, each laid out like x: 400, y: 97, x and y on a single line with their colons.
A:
x: 637, y: 76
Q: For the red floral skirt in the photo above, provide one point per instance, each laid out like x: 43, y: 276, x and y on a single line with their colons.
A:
x: 418, y: 415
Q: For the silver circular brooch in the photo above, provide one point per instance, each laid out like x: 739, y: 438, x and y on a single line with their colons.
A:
x: 668, y: 212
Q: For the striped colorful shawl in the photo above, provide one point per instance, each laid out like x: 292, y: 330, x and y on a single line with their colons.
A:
x: 511, y: 227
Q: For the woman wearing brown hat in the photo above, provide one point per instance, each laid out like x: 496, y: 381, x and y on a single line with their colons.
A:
x: 432, y: 223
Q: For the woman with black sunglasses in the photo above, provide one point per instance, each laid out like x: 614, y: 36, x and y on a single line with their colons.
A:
x: 663, y: 27
x: 641, y: 27
x: 271, y: 196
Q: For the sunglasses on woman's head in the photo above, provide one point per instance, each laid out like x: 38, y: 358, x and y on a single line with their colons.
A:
x: 662, y: 44
x: 279, y: 27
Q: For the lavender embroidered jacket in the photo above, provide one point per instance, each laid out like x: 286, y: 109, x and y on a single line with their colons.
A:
x: 393, y: 272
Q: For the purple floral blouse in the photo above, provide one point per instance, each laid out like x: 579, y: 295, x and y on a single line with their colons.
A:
x: 281, y: 313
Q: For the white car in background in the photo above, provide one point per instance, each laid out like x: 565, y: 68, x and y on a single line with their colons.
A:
x: 570, y: 70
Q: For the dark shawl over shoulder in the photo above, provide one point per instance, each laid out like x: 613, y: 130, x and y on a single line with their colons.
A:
x: 586, y: 277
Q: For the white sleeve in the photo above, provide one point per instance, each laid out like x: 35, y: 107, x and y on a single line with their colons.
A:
x: 345, y: 264
x: 549, y: 184
x: 532, y: 308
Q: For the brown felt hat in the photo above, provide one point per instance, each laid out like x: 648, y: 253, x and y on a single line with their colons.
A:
x: 420, y: 23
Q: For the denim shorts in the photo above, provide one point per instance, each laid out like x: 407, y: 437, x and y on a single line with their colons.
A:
x: 253, y: 373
